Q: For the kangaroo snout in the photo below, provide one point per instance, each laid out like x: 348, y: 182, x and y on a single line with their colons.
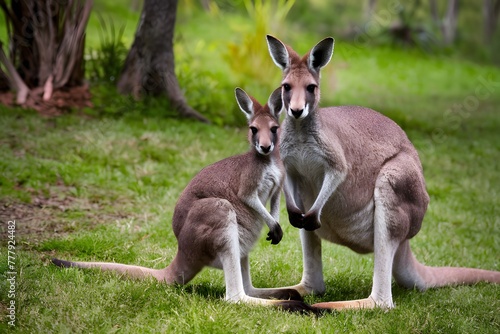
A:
x: 296, y: 112
x: 265, y: 149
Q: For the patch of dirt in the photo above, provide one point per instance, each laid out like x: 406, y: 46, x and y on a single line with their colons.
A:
x: 55, y: 215
x: 62, y: 100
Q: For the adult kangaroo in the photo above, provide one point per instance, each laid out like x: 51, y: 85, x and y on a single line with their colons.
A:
x: 353, y: 178
x: 220, y: 214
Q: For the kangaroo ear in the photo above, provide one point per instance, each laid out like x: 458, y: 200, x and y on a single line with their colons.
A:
x: 275, y: 103
x: 278, y: 52
x: 244, y: 102
x: 321, y: 54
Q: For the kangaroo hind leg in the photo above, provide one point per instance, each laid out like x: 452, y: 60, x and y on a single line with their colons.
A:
x: 200, y: 238
x: 236, y: 272
x: 225, y: 244
x: 400, y: 203
x: 265, y: 293
x: 235, y: 287
x: 193, y: 242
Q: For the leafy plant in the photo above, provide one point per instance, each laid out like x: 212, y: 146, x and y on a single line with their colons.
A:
x: 409, y: 31
x: 107, y: 60
x: 249, y: 59
x: 206, y: 90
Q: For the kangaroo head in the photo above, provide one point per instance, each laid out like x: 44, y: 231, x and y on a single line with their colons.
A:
x: 263, y: 121
x: 300, y: 85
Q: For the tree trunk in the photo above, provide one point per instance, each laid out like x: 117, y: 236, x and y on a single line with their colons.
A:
x: 149, y: 67
x: 491, y: 10
x: 449, y: 27
x: 434, y: 12
x: 370, y: 9
x: 46, y: 42
x: 13, y: 78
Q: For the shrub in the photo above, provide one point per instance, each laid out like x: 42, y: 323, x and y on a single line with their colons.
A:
x: 106, y: 62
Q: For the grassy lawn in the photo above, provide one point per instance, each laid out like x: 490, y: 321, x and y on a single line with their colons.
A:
x: 103, y: 187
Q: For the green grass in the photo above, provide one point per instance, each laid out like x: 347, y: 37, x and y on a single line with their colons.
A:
x: 102, y: 185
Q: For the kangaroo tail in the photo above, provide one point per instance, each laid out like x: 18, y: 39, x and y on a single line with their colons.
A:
x: 125, y: 269
x: 410, y: 273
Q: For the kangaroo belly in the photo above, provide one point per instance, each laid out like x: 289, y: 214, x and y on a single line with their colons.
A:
x: 354, y: 231
x: 248, y: 235
x: 346, y: 219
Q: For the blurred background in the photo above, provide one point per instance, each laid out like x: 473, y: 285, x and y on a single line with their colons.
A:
x: 387, y: 52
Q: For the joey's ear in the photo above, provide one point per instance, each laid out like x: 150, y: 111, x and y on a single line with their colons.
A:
x: 275, y: 103
x: 321, y: 54
x: 244, y: 102
x: 278, y: 52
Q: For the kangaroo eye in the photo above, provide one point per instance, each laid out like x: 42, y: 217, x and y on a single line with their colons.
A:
x: 311, y: 88
x: 287, y: 87
x: 274, y: 129
x: 254, y: 129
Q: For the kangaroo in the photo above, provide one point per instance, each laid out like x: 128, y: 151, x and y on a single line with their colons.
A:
x: 353, y: 178
x: 220, y: 214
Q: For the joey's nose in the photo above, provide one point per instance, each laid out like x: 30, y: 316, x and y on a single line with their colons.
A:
x: 265, y: 149
x: 296, y: 112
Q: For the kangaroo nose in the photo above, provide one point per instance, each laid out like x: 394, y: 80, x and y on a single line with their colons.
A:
x: 297, y: 112
x: 265, y: 149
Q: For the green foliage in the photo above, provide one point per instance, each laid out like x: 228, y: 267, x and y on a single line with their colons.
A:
x: 122, y: 15
x: 106, y: 62
x: 348, y: 21
x: 249, y: 58
x: 408, y: 30
x: 207, y: 90
x: 326, y: 17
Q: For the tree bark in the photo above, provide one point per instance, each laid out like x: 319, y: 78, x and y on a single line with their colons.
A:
x: 15, y: 81
x: 434, y: 12
x: 370, y: 9
x: 46, y: 42
x: 149, y: 67
x: 449, y: 27
x: 491, y: 10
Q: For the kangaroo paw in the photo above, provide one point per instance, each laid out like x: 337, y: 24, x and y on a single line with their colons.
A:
x: 296, y: 218
x: 275, y: 234
x: 311, y: 222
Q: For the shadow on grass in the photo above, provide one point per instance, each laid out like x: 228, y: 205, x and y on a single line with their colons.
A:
x: 202, y: 290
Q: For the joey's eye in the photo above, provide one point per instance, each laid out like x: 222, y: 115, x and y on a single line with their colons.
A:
x: 287, y: 87
x: 311, y: 88
x: 254, y: 129
x: 274, y: 129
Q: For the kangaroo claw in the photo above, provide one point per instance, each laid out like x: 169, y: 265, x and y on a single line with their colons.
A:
x: 275, y: 234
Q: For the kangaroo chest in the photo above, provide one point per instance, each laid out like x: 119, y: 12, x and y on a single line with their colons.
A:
x: 305, y: 163
x: 344, y: 220
x: 270, y: 181
x: 267, y: 182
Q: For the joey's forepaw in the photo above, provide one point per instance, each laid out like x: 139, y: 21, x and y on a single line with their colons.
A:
x: 296, y: 218
x: 275, y: 234
x: 311, y: 222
